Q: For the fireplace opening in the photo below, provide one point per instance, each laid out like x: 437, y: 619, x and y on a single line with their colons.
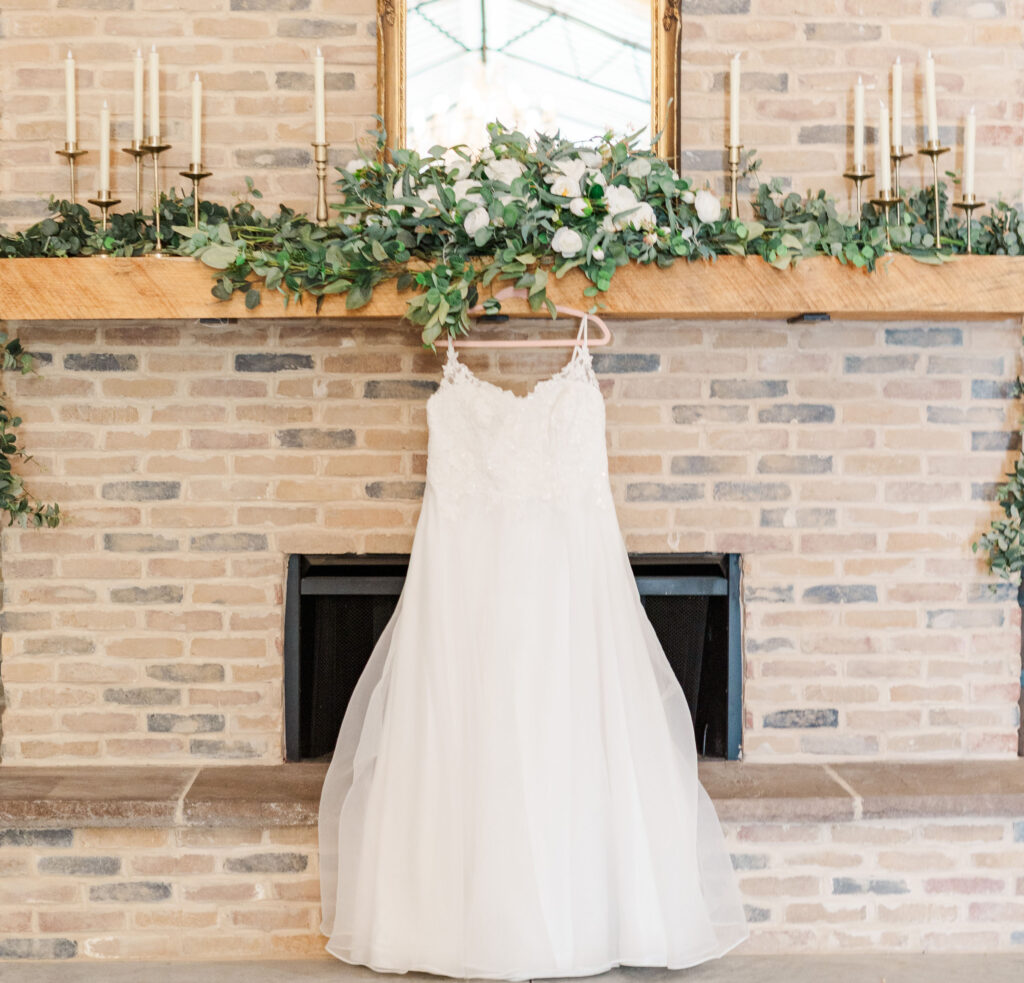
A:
x: 336, y: 607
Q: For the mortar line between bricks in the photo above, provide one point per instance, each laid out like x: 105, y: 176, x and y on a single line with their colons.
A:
x: 179, y: 812
x: 858, y: 802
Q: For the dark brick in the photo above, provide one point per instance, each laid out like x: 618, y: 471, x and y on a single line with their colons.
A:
x: 175, y: 723
x: 36, y: 837
x: 955, y: 416
x: 978, y: 618
x: 657, y: 491
x: 980, y: 9
x: 713, y: 414
x: 126, y: 892
x: 187, y: 673
x: 755, y: 914
x: 268, y: 362
x: 317, y: 439
x: 924, y: 337
x: 625, y: 362
x: 296, y: 27
x: 41, y: 358
x: 705, y: 160
x: 141, y: 491
x: 769, y: 595
x: 303, y: 81
x: 38, y: 949
x: 797, y: 413
x: 874, y: 885
x: 100, y: 362
x: 1017, y: 938
x: 795, y: 464
x: 753, y: 81
x: 984, y: 491
x: 270, y: 4
x: 960, y: 363
x: 138, y: 542
x: 844, y: 31
x: 274, y: 157
x: 995, y: 440
x: 752, y: 491
x: 748, y: 388
x: 702, y: 7
x: 399, y: 388
x: 229, y: 542
x: 991, y: 593
x: 802, y: 718
x: 80, y: 866
x: 832, y: 133
x: 410, y: 490
x: 841, y: 594
x: 769, y: 645
x: 1018, y: 831
x: 993, y: 389
x: 164, y: 594
x: 702, y: 464
x: 809, y: 518
x: 749, y: 861
x: 222, y: 749
x: 267, y: 863
x: 880, y: 363
x: 58, y: 645
x: 143, y: 696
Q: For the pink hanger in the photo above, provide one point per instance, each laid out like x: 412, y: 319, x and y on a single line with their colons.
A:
x: 604, y: 338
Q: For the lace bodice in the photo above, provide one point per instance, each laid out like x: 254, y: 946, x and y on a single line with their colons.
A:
x: 488, y: 446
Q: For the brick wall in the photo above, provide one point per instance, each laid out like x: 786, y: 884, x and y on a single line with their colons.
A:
x: 852, y: 464
x: 801, y: 60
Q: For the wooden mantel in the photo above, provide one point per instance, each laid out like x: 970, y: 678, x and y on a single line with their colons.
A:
x: 732, y: 287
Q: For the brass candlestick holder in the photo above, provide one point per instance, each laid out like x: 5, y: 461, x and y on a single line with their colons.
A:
x: 320, y: 160
x: 195, y: 174
x: 897, y: 156
x: 858, y: 174
x: 154, y: 148
x: 886, y: 199
x: 968, y: 203
x: 136, y: 150
x: 71, y: 153
x: 935, y: 150
x: 104, y: 202
x: 734, y: 177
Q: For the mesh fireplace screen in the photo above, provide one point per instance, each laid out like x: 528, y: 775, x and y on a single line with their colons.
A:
x: 337, y: 606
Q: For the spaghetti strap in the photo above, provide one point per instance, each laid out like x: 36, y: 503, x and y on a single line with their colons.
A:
x: 581, y: 335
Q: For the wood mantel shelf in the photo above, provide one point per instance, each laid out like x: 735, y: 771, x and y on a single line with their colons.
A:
x: 151, y: 288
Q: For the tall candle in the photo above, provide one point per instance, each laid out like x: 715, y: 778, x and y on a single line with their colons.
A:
x: 858, y: 124
x: 154, y: 95
x: 197, y: 121
x: 884, y: 181
x: 897, y: 104
x: 319, y: 106
x: 969, y: 141
x: 734, y: 101
x: 929, y: 99
x: 137, y: 97
x: 71, y: 130
x: 105, y: 147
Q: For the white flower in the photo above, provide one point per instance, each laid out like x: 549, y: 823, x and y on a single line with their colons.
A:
x: 567, y: 241
x: 619, y: 199
x: 591, y: 158
x: 650, y: 238
x: 579, y: 207
x: 688, y: 197
x: 476, y: 220
x: 596, y: 177
x: 565, y: 176
x: 354, y: 164
x: 708, y: 207
x: 454, y: 163
x: 462, y: 192
x: 638, y: 167
x: 608, y: 225
x: 598, y: 254
x: 643, y: 217
x: 350, y: 219
x: 664, y: 230
x: 506, y: 170
x: 565, y: 187
x: 687, y: 233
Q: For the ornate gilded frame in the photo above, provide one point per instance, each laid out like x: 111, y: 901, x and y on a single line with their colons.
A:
x: 665, y: 35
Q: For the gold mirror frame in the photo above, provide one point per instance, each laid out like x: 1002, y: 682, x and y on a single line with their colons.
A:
x: 665, y: 33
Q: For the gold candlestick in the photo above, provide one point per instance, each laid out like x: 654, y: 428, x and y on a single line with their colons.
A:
x: 858, y: 174
x: 968, y: 203
x: 154, y: 148
x: 935, y: 150
x: 195, y: 174
x: 320, y: 160
x: 104, y: 202
x: 734, y: 176
x: 885, y: 199
x: 897, y: 156
x: 71, y: 153
x: 136, y: 150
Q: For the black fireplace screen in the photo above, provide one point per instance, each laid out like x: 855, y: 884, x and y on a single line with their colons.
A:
x: 337, y: 606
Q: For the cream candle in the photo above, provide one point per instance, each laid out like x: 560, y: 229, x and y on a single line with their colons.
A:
x: 734, y: 101
x: 858, y: 124
x: 137, y: 68
x: 969, y: 142
x: 105, y: 147
x: 197, y: 121
x: 71, y: 127
x: 154, y: 96
x: 897, y: 104
x: 884, y: 180
x: 929, y: 99
x: 319, y: 103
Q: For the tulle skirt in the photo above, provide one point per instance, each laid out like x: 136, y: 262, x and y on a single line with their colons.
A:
x: 514, y: 791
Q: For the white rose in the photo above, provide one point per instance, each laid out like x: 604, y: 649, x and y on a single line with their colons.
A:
x: 687, y: 196
x: 454, y: 163
x: 505, y: 170
x: 596, y: 177
x: 353, y: 165
x: 619, y: 199
x: 643, y: 217
x: 565, y: 187
x: 638, y: 167
x: 650, y: 238
x: 567, y: 241
x: 580, y: 207
x: 476, y: 220
x: 708, y: 207
x: 687, y: 233
x: 607, y: 224
x: 429, y: 195
x: 598, y: 254
x: 591, y: 158
x: 350, y: 219
x: 462, y: 192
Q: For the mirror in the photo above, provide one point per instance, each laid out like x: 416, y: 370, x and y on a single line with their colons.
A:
x: 447, y: 67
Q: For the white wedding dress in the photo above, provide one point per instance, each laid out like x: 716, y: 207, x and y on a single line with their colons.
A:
x: 514, y: 792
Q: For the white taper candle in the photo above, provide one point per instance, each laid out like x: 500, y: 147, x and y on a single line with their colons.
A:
x: 897, y: 103
x: 137, y: 68
x: 884, y: 178
x: 929, y: 99
x: 734, y: 101
x: 319, y: 107
x: 71, y: 129
x: 969, y: 144
x: 105, y: 147
x: 197, y: 120
x: 858, y: 124
x: 154, y: 95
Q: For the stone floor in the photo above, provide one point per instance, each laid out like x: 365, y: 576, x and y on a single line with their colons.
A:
x: 886, y: 968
